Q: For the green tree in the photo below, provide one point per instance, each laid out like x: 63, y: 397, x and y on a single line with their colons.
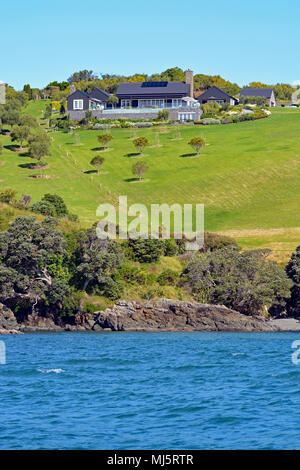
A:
x: 8, y: 195
x: 139, y: 169
x: 58, y: 203
x: 247, y: 282
x: 113, y: 99
x: 31, y: 270
x: 146, y: 250
x: 97, y: 161
x: 140, y: 143
x: 293, y: 271
x: 28, y: 120
x: 197, y: 143
x: 20, y: 134
x: 96, y: 259
x: 211, y: 109
x: 163, y: 115
x: 104, y: 139
x: 48, y: 112
x: 39, y: 145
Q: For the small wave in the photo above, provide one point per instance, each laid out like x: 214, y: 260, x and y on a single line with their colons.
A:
x: 48, y: 371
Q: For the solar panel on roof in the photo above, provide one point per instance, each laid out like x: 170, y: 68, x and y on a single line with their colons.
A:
x: 154, y: 84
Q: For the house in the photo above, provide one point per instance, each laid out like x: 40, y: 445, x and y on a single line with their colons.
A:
x: 214, y: 94
x: 267, y: 93
x: 139, y: 101
x: 2, y: 92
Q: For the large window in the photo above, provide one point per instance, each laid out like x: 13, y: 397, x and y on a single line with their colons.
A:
x: 151, y: 103
x: 77, y: 104
x: 125, y: 103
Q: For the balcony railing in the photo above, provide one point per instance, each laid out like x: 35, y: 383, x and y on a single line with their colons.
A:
x: 147, y: 110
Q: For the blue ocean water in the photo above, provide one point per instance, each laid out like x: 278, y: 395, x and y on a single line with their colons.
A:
x: 150, y: 391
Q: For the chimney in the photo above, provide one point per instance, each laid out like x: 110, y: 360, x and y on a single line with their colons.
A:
x: 72, y: 89
x: 189, y: 78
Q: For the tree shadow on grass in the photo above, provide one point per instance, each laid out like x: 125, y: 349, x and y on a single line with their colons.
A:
x: 185, y: 155
x: 131, y: 180
x: 98, y: 149
x: 134, y: 154
x: 88, y: 172
x: 11, y: 147
x: 31, y: 166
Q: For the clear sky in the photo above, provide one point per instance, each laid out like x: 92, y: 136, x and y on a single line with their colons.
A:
x: 242, y: 41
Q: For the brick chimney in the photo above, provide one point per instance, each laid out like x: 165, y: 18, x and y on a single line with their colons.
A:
x: 189, y: 78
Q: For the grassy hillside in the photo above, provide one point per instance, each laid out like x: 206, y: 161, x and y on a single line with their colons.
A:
x: 247, y: 176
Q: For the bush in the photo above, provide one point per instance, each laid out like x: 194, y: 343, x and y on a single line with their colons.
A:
x: 214, y: 241
x: 113, y: 289
x: 8, y: 196
x: 43, y: 207
x: 146, y: 250
x: 163, y: 115
x: 167, y: 278
x: 58, y: 203
x: 210, y: 121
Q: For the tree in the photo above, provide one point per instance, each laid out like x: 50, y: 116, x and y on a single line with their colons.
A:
x: 113, y: 99
x: 293, y: 271
x: 146, y: 250
x: 197, y: 143
x: 104, y: 139
x: 48, y: 112
x: 140, y: 143
x: 20, y: 134
x: 247, y: 282
x: 163, y: 115
x: 27, y: 90
x: 98, y: 162
x: 211, y: 109
x: 96, y: 259
x: 1, y: 147
x: 139, y: 168
x: 39, y: 145
x: 82, y: 75
x: 31, y: 269
x: 28, y: 121
x: 58, y: 203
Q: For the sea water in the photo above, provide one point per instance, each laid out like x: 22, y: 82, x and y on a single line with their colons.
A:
x: 150, y: 391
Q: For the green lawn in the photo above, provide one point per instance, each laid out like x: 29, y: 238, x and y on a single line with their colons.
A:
x: 247, y: 176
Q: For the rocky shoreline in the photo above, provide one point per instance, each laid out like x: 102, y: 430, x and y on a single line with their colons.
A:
x: 160, y: 315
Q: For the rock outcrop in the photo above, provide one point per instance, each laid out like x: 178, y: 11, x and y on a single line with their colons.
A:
x: 160, y: 315
x: 8, y: 322
x: 170, y: 315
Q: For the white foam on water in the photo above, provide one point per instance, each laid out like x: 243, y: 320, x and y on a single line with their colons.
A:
x: 47, y: 371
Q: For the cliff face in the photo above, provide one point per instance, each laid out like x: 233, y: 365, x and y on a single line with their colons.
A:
x: 161, y: 315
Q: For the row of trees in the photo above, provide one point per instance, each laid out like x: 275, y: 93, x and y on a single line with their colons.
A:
x: 42, y: 269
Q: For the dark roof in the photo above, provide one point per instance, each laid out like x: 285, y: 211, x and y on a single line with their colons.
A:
x: 145, y: 89
x: 99, y: 94
x: 264, y: 92
x: 214, y: 92
x: 79, y: 92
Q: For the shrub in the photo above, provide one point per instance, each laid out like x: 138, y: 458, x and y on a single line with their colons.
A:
x: 214, y: 241
x: 58, y: 203
x: 43, y: 207
x: 197, y: 143
x: 167, y: 278
x: 113, y: 289
x: 146, y: 250
x: 163, y: 115
x: 8, y: 196
x: 210, y: 121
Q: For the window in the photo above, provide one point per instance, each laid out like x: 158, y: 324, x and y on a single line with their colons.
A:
x: 125, y: 103
x: 151, y: 103
x: 77, y: 104
x: 176, y: 103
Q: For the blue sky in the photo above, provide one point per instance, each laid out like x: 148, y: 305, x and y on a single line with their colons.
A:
x: 241, y: 41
